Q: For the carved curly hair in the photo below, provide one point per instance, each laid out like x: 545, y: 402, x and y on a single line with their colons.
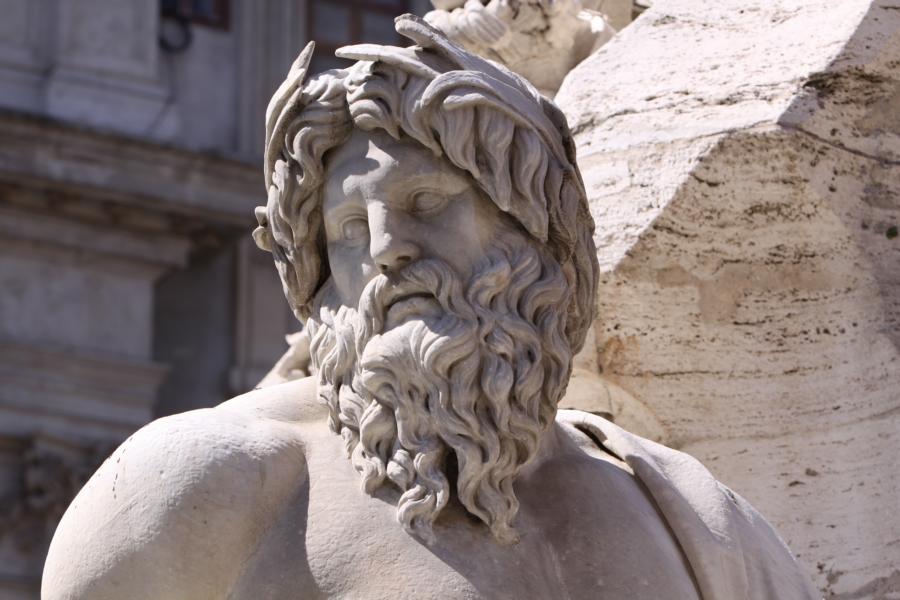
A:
x: 475, y: 113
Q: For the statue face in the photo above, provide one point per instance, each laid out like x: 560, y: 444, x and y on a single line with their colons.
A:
x: 439, y: 333
x: 388, y: 203
x: 442, y: 338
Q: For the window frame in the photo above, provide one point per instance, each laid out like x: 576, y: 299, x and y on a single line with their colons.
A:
x: 184, y: 9
x: 357, y: 7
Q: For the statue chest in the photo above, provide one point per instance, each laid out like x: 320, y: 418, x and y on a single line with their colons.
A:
x: 335, y: 541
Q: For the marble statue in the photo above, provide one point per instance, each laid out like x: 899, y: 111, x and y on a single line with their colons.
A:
x: 429, y: 223
x: 542, y: 40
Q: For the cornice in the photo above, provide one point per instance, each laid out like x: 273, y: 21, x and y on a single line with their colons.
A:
x: 43, y: 154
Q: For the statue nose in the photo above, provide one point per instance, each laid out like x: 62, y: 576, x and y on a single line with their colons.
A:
x: 391, y: 243
x: 395, y: 259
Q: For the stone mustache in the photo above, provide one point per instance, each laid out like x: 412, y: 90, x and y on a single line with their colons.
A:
x: 429, y: 223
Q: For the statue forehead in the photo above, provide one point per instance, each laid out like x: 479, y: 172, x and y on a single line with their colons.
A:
x: 373, y: 161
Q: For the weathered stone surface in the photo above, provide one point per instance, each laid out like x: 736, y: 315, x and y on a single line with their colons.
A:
x: 539, y: 39
x: 439, y: 199
x: 741, y: 160
x: 591, y: 392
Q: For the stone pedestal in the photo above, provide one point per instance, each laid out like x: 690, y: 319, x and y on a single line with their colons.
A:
x: 743, y: 165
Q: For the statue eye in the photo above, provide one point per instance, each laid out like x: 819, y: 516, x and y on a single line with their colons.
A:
x: 428, y: 202
x: 355, y: 229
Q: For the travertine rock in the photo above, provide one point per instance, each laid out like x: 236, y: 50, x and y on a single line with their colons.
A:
x: 742, y: 161
x: 591, y: 392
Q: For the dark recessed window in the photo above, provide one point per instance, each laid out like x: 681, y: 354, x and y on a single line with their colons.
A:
x: 212, y: 13
x: 336, y: 23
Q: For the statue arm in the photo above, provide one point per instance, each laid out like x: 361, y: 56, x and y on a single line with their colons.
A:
x: 177, y: 510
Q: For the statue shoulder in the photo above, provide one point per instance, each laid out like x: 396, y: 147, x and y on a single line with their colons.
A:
x: 731, y: 549
x: 290, y: 402
x: 181, y: 505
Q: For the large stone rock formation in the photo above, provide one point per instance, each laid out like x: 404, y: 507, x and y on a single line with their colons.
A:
x: 742, y: 162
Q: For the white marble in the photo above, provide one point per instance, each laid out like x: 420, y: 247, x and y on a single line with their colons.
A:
x: 426, y: 458
x: 541, y: 40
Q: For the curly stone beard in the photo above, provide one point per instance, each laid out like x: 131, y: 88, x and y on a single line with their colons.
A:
x: 480, y: 379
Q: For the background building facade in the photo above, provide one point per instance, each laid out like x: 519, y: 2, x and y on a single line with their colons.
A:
x: 131, y: 134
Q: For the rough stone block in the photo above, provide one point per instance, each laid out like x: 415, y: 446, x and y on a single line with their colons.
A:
x: 741, y: 160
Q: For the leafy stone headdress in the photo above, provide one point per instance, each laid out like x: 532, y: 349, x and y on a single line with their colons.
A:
x: 475, y: 113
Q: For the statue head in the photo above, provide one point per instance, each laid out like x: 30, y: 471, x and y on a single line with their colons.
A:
x: 430, y: 226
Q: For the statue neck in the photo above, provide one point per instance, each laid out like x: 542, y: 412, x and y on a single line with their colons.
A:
x: 550, y: 445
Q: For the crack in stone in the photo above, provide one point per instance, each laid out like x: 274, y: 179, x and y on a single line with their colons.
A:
x: 880, y: 159
x: 749, y: 93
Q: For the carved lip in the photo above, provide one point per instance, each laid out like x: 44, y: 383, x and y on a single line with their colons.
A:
x: 405, y: 305
x: 402, y: 297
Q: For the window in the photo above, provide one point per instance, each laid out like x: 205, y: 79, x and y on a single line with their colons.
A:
x: 336, y: 23
x: 212, y: 13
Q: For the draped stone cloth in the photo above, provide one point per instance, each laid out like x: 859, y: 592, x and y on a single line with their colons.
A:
x: 733, y: 551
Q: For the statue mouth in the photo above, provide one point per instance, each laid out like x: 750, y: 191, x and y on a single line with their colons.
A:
x: 408, y: 306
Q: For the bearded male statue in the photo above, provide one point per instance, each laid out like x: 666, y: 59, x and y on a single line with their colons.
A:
x: 430, y: 225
